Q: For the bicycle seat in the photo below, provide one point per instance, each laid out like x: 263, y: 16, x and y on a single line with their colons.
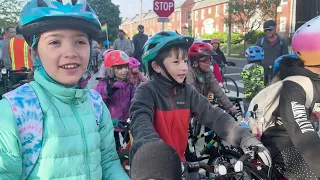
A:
x: 235, y: 99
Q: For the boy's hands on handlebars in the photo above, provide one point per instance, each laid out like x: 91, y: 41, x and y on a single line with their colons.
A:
x: 233, y: 110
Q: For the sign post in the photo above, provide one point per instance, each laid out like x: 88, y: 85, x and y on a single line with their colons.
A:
x: 163, y: 8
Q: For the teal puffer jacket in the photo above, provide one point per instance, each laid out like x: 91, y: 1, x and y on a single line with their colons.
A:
x: 74, y: 146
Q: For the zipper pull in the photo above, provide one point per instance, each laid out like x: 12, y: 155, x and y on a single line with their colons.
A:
x: 79, y: 102
x: 174, y: 91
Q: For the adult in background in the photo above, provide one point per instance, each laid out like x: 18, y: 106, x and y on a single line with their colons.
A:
x: 19, y: 57
x: 123, y: 44
x: 273, y: 45
x: 139, y: 40
x: 10, y: 32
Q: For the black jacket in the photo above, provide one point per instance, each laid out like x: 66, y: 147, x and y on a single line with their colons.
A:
x: 139, y: 40
x: 300, y: 126
x: 160, y: 110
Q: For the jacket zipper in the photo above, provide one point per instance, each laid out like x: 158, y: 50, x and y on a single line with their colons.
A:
x: 82, y: 135
x: 174, y: 90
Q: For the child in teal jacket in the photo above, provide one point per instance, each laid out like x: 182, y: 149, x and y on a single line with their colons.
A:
x: 57, y: 109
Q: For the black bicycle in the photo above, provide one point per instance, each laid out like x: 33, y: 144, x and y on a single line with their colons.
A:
x: 196, y: 126
x: 7, y: 77
x: 229, y: 84
x: 223, y: 158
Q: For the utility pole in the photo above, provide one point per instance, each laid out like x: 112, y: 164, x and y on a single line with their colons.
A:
x: 229, y: 30
x: 140, y: 11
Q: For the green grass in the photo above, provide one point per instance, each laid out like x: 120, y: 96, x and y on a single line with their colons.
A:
x: 236, y: 49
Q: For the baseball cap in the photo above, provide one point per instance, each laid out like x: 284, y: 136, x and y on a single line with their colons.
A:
x: 270, y: 24
x: 140, y: 27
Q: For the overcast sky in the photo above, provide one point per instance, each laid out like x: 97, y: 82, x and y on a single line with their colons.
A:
x: 129, y: 8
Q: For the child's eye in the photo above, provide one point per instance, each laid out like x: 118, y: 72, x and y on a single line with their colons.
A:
x: 175, y: 62
x: 54, y: 42
x: 186, y: 61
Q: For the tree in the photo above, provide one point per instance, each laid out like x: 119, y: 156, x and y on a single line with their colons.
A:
x: 108, y: 13
x: 249, y: 15
x: 9, y: 12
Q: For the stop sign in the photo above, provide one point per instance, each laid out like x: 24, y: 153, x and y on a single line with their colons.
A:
x: 163, y: 8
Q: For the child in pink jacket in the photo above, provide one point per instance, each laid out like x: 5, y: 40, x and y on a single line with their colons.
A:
x: 135, y: 76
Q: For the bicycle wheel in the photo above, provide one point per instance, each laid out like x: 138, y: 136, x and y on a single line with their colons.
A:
x: 230, y: 157
x: 230, y: 87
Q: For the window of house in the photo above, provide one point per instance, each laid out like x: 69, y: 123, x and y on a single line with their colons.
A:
x: 284, y: 1
x: 217, y: 10
x: 225, y: 9
x: 225, y: 29
x: 235, y: 28
x: 202, y: 13
x: 196, y: 30
x: 189, y: 15
x: 196, y: 15
x: 283, y: 24
x: 209, y: 11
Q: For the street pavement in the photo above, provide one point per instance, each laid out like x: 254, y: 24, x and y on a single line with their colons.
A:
x: 234, y: 73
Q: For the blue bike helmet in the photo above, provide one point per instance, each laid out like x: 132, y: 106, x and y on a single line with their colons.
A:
x: 254, y: 53
x: 277, y: 61
x: 39, y: 16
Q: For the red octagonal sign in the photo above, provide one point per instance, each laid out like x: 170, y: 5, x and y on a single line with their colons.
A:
x: 163, y: 8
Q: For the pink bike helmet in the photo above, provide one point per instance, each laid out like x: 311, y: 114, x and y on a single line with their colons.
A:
x: 306, y: 42
x: 133, y: 63
x: 215, y: 40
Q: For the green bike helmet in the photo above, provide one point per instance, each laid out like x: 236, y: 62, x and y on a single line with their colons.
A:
x: 160, y: 41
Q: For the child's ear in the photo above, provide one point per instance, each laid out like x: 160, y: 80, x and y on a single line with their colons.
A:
x: 156, y: 67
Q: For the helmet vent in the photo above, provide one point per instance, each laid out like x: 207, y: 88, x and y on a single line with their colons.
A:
x: 152, y: 46
x: 74, y: 2
x: 308, y: 25
x: 299, y: 53
x: 60, y: 1
x: 41, y: 3
x: 163, y: 33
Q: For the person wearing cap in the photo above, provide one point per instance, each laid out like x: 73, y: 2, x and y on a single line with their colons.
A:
x: 273, y: 45
x: 123, y: 43
x: 139, y: 40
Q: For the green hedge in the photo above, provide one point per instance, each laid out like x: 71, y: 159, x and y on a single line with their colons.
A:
x: 255, y: 37
x: 236, y: 38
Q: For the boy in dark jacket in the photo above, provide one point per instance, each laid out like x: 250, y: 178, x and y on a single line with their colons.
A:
x: 161, y: 108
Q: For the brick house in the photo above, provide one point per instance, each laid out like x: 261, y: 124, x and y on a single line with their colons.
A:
x: 180, y: 19
x: 207, y: 17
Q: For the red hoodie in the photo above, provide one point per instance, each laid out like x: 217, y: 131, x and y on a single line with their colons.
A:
x: 217, y: 73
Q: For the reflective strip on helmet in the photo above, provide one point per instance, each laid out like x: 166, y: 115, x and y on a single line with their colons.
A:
x: 25, y: 55
x: 13, y: 64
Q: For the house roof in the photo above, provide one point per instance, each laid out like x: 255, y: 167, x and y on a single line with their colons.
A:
x: 206, y: 3
x: 150, y: 14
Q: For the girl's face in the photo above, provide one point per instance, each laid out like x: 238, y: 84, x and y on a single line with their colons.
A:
x: 135, y: 70
x: 64, y: 55
x: 215, y: 46
x: 205, y: 63
x: 121, y: 72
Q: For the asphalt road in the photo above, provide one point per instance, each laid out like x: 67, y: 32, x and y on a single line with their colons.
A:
x: 234, y: 73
